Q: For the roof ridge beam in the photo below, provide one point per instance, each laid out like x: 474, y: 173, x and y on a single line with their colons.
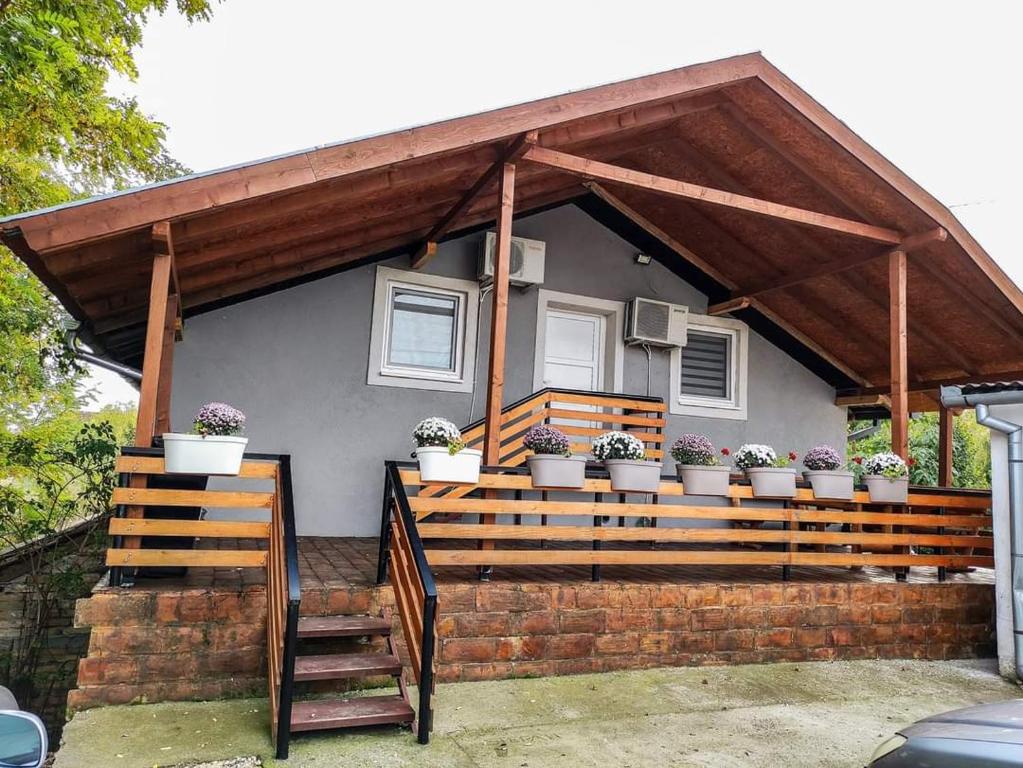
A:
x: 428, y: 248
x: 594, y: 169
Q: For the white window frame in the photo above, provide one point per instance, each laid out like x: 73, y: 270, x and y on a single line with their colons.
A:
x: 380, y: 373
x: 733, y: 407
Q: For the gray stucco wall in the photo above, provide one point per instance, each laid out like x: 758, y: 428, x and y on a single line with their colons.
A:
x: 296, y: 362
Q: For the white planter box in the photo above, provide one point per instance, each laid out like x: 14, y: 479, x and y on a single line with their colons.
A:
x: 186, y: 454
x: 634, y: 476
x: 550, y: 471
x: 437, y: 465
x: 830, y: 484
x: 884, y: 490
x: 773, y: 481
x: 703, y: 480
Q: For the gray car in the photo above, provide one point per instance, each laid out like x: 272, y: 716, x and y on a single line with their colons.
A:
x: 986, y: 736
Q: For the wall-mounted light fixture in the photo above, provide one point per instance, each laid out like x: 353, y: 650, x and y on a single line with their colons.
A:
x: 642, y: 258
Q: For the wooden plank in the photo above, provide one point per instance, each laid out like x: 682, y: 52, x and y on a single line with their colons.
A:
x: 693, y: 535
x: 158, y: 293
x: 220, y: 529
x: 499, y: 315
x: 933, y: 385
x: 426, y: 251
x: 605, y: 401
x: 946, y: 432
x: 153, y: 465
x: 163, y: 390
x: 447, y: 505
x: 899, y: 352
x: 200, y: 558
x: 607, y: 418
x: 646, y: 437
x: 594, y: 169
x: 174, y: 498
x: 443, y: 557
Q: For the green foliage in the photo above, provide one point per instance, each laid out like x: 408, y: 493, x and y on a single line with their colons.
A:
x: 971, y: 452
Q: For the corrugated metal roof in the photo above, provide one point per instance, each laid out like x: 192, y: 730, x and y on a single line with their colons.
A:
x: 992, y: 386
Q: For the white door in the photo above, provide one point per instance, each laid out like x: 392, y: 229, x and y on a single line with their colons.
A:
x: 574, y: 344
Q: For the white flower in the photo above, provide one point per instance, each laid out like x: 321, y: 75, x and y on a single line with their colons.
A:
x: 617, y: 445
x: 755, y: 455
x: 887, y: 464
x: 435, y: 431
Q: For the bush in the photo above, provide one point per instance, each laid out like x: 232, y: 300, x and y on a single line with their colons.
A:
x: 886, y: 464
x: 546, y: 440
x: 694, y: 450
x: 218, y: 419
x: 822, y: 458
x: 436, y: 432
x: 618, y: 445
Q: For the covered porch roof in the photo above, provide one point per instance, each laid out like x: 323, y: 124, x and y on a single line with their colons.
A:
x: 761, y: 198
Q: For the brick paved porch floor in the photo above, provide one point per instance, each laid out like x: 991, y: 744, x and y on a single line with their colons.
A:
x: 335, y: 563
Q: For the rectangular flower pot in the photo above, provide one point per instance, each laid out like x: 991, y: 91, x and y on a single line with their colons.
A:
x: 887, y: 490
x: 704, y: 480
x: 830, y: 484
x: 634, y: 476
x: 773, y: 481
x: 186, y: 454
x: 437, y: 465
x: 550, y: 471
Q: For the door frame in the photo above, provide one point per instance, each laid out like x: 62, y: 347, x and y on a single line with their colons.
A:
x: 614, y: 344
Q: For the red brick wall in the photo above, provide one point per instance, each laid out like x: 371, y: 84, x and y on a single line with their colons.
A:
x: 196, y: 644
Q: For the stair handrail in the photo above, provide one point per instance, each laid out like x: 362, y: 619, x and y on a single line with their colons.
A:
x: 396, y: 501
x: 293, y: 595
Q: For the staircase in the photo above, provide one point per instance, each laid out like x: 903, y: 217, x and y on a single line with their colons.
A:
x: 318, y: 714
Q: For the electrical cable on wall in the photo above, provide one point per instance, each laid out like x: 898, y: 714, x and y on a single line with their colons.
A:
x: 479, y: 315
x: 649, y: 356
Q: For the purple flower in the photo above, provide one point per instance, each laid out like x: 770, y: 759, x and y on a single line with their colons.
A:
x: 823, y: 458
x: 218, y: 419
x: 694, y: 449
x: 546, y: 440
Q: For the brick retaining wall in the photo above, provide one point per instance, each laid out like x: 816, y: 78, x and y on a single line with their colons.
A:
x: 197, y: 644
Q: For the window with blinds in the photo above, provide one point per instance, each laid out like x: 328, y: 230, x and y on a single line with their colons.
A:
x: 705, y: 366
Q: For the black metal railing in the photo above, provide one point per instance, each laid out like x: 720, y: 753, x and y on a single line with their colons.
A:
x: 397, y: 516
x: 286, y: 688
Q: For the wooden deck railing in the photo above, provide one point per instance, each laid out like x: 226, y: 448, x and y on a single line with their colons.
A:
x: 937, y: 527
x: 276, y: 549
x: 403, y: 560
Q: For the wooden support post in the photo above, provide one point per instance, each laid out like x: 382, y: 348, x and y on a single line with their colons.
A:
x: 946, y: 427
x: 899, y: 364
x: 159, y: 290
x: 163, y: 390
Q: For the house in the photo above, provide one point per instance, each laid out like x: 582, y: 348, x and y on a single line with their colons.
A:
x: 335, y: 296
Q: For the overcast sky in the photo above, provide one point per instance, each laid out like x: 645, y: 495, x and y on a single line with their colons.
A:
x: 932, y: 85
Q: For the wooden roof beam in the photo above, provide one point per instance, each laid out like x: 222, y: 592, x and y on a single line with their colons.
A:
x: 594, y: 169
x: 422, y: 255
x: 163, y: 245
x: 934, y: 384
x: 831, y: 267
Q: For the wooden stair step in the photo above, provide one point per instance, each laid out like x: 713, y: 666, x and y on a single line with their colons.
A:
x: 321, y: 714
x: 338, y: 666
x: 342, y: 626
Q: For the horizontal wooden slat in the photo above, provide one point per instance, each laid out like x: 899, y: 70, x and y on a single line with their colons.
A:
x: 695, y: 535
x: 220, y: 529
x: 163, y: 497
x: 410, y: 477
x: 442, y: 557
x: 153, y: 465
x: 204, y: 558
x: 646, y: 437
x: 606, y: 418
x: 605, y: 401
x: 426, y: 506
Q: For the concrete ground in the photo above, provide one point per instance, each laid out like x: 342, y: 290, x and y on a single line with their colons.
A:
x: 796, y: 715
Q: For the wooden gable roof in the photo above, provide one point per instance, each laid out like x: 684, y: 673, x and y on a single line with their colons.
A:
x: 737, y: 125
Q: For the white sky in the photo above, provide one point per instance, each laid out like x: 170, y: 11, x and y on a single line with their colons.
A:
x: 934, y: 86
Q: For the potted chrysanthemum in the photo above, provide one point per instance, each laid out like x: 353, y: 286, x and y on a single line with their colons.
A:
x: 825, y: 475
x: 552, y: 464
x: 214, y: 447
x: 442, y: 455
x: 769, y: 474
x: 625, y: 458
x: 887, y: 478
x: 698, y: 466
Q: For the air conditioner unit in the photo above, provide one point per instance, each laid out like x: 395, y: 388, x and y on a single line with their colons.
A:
x: 656, y: 323
x: 527, y: 260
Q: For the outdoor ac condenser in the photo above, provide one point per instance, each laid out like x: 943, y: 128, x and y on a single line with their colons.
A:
x: 656, y: 323
x: 527, y: 260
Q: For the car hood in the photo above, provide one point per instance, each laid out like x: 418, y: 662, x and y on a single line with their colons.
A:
x: 1000, y: 722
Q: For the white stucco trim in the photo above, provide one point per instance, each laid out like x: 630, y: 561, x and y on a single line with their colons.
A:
x: 459, y: 380
x: 614, y: 353
x: 731, y: 408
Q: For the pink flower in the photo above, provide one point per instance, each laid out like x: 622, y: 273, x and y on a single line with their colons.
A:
x: 792, y: 456
x: 858, y: 459
x: 910, y: 462
x: 725, y: 452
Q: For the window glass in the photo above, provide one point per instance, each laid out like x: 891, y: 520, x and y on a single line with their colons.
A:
x: 423, y: 330
x: 706, y: 365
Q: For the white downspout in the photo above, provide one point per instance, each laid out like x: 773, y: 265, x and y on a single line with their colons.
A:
x: 953, y: 397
